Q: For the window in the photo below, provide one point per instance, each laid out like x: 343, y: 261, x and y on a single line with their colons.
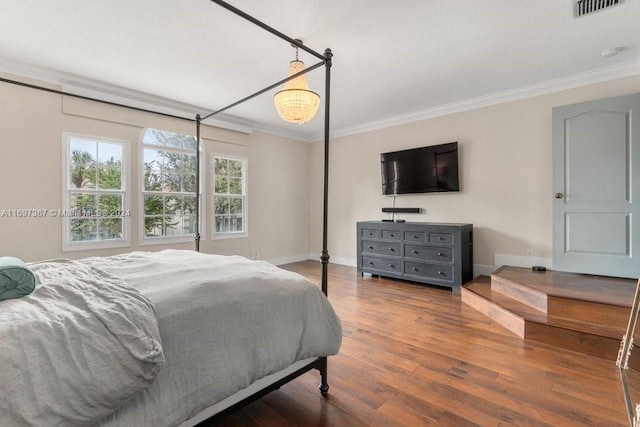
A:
x: 229, y: 197
x: 95, y: 212
x: 168, y: 186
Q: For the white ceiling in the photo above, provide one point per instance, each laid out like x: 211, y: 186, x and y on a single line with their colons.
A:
x: 394, y: 61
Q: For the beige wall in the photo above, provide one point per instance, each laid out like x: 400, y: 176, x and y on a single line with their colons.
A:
x: 31, y: 126
x: 279, y: 198
x: 505, y: 170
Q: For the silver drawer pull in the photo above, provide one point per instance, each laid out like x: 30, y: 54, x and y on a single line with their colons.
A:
x: 415, y: 237
x: 392, y: 250
x: 414, y: 251
x: 392, y: 235
x: 414, y: 269
x: 441, y: 273
x: 370, y: 247
x: 392, y: 266
x: 370, y: 262
x: 440, y: 254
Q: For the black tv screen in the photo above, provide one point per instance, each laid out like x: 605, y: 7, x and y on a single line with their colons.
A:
x: 420, y: 170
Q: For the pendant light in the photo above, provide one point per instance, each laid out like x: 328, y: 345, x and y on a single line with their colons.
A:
x: 295, y: 103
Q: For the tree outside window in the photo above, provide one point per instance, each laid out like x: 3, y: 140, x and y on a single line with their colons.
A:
x: 95, y: 209
x: 229, y: 195
x: 169, y: 184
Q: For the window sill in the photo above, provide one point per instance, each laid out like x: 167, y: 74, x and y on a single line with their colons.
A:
x: 226, y: 236
x: 166, y: 240
x: 91, y: 246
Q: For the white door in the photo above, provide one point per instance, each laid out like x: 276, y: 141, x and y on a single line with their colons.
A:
x: 596, y: 185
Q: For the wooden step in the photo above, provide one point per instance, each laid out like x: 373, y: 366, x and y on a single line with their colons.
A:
x: 573, y: 297
x: 588, y: 311
x: 508, y: 284
x: 582, y: 287
x: 575, y: 319
x: 504, y: 310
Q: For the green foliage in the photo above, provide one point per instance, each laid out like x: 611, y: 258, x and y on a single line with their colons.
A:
x: 97, y: 182
x: 95, y: 216
x: 228, y: 210
x: 172, y: 174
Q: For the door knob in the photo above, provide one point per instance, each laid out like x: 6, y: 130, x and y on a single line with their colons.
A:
x: 559, y: 195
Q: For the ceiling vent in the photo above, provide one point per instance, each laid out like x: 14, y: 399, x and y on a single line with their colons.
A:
x: 587, y: 7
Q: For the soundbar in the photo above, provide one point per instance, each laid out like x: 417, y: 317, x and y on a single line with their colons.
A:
x: 401, y: 210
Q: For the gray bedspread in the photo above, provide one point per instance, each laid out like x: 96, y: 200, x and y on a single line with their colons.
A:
x: 225, y: 322
x: 75, y: 349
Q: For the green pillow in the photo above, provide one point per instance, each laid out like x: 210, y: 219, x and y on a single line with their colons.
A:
x: 16, y: 280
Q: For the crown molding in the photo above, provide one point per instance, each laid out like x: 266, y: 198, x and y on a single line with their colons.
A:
x: 88, y: 87
x: 626, y: 69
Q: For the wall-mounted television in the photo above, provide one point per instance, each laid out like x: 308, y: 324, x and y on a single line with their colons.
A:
x: 432, y: 169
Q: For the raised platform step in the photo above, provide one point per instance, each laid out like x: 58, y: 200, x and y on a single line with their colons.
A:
x: 582, y: 287
x: 554, y: 308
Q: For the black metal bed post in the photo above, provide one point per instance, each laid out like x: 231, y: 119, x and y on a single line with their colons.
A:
x: 321, y: 362
x: 197, y: 207
x: 324, y: 257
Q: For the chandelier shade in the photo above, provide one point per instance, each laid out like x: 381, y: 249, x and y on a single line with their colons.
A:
x: 295, y: 103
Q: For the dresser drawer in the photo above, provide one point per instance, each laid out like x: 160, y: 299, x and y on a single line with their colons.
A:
x: 442, y: 273
x: 442, y: 238
x: 382, y: 264
x: 415, y: 236
x: 391, y: 234
x: 368, y: 232
x: 428, y: 253
x: 381, y: 248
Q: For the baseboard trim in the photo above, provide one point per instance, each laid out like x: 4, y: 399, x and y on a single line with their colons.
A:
x: 521, y: 261
x: 483, y: 270
x: 478, y: 269
x: 289, y: 259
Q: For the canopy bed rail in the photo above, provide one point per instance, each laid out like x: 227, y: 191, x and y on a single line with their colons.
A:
x: 326, y: 59
x: 88, y: 98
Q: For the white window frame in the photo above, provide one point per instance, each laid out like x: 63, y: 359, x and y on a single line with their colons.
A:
x: 143, y: 239
x: 245, y: 194
x: 66, y: 214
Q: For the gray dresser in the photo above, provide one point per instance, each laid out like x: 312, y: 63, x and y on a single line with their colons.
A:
x: 433, y: 253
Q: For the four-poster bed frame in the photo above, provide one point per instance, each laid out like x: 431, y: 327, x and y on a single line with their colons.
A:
x: 326, y: 61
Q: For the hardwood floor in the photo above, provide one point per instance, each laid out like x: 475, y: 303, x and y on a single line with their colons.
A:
x: 414, y: 355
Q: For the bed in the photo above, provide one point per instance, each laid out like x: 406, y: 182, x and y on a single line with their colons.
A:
x: 178, y: 336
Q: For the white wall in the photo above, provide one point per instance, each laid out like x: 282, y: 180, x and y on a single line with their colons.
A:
x: 505, y: 170
x: 31, y: 126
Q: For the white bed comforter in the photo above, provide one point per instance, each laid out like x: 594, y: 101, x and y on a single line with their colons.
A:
x: 76, y: 349
x: 225, y: 322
